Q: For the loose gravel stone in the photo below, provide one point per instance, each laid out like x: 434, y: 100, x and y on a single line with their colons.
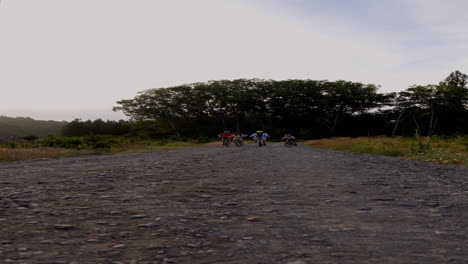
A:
x: 119, y: 246
x: 253, y: 219
x: 68, y: 243
x: 198, y: 205
x: 138, y: 216
x: 64, y: 227
x: 149, y: 225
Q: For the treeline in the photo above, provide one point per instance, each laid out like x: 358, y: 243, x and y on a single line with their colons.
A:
x: 440, y: 109
x: 23, y: 126
x: 156, y: 128
x: 306, y: 108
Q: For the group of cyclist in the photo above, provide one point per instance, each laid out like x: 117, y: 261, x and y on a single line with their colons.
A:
x: 257, y: 136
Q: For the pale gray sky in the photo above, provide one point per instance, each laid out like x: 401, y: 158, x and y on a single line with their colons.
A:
x: 66, y: 59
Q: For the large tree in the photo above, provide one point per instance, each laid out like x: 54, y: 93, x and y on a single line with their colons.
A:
x: 290, y: 105
x: 427, y: 106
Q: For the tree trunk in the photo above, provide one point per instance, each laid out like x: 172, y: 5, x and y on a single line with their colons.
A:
x: 174, y: 127
x: 397, y: 122
x: 335, y: 122
x: 435, y: 123
x: 417, y: 125
x: 429, y: 133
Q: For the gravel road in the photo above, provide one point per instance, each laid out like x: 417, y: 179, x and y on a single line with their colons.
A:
x: 233, y: 205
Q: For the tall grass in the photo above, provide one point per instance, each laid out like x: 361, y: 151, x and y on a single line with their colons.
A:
x: 15, y: 154
x: 443, y: 150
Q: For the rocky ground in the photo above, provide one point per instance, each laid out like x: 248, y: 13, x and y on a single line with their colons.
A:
x: 233, y: 205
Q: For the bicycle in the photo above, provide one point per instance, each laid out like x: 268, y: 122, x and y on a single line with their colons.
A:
x: 227, y: 142
x: 289, y: 143
x: 237, y: 142
x: 260, y: 142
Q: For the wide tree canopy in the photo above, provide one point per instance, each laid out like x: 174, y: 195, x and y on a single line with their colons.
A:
x: 306, y: 108
x: 295, y: 106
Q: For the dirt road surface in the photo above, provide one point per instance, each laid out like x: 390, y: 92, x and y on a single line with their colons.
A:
x: 233, y: 205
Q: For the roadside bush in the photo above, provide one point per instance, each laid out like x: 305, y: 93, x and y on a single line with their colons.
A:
x: 174, y: 138
x: 462, y: 140
x: 10, y: 144
x: 49, y: 141
x: 423, y: 143
x: 89, y: 141
x: 62, y: 142
x: 30, y: 138
x: 71, y: 143
x: 99, y: 142
x: 202, y: 140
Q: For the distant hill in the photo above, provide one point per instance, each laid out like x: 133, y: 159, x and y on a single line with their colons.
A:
x: 23, y: 126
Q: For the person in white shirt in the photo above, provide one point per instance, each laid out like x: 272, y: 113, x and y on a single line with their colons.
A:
x: 260, y: 135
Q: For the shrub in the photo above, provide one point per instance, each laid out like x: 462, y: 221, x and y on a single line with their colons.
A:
x: 71, y: 143
x: 174, y: 138
x: 202, y: 140
x: 31, y: 138
x: 49, y: 141
x: 99, y: 142
x: 10, y: 144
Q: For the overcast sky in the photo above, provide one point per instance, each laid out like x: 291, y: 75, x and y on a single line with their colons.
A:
x: 66, y: 59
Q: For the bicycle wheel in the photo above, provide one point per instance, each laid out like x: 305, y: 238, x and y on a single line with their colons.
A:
x: 238, y: 143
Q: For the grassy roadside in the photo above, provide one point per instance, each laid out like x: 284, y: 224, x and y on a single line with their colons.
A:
x: 30, y: 151
x: 16, y: 154
x: 442, y: 150
x: 152, y: 145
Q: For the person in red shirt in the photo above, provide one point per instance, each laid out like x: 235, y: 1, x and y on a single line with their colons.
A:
x: 226, y: 135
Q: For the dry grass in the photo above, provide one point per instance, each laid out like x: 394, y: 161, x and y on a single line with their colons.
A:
x: 443, y: 151
x: 16, y: 154
x: 346, y: 143
x: 143, y: 146
x: 29, y: 152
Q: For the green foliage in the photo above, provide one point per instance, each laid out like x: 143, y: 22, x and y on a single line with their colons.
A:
x: 456, y: 79
x: 205, y: 109
x: 461, y: 139
x: 91, y: 141
x: 441, y: 108
x: 422, y: 143
x: 99, y: 142
x: 10, y: 144
x: 61, y: 142
x: 306, y: 108
x: 78, y: 128
x: 202, y: 140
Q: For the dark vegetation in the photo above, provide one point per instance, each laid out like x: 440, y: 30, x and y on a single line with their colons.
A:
x: 309, y: 109
x: 306, y: 108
